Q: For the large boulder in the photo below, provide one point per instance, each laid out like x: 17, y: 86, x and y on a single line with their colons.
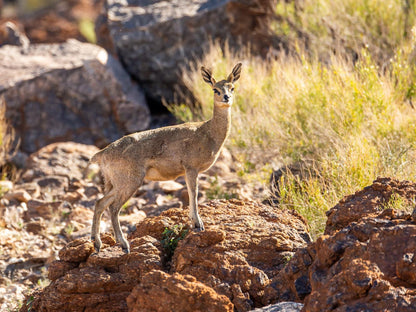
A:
x: 157, y: 39
x: 68, y: 92
x: 367, y: 261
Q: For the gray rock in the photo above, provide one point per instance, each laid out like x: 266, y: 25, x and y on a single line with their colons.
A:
x: 281, y: 307
x: 67, y: 160
x: 68, y: 92
x: 157, y: 39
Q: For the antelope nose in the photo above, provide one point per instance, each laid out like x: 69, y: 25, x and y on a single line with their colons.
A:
x: 226, y: 98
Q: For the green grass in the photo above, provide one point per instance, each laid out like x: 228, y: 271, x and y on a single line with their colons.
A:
x: 352, y: 120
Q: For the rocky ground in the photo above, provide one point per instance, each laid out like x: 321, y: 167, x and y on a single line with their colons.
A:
x: 51, y: 203
x: 250, y: 256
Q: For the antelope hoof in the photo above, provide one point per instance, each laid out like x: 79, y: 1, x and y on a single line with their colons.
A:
x: 199, y: 227
x: 126, y: 250
x: 126, y: 247
x: 97, y: 244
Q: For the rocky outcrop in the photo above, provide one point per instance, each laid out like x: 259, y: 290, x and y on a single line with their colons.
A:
x: 83, y: 281
x: 68, y: 92
x: 369, y: 202
x: 245, y: 245
x: 225, y: 267
x: 157, y: 39
x: 367, y: 264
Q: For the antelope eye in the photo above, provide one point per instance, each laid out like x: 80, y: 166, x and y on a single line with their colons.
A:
x: 217, y: 92
x: 232, y: 89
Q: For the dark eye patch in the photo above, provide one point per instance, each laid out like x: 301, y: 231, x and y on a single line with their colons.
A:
x: 217, y: 92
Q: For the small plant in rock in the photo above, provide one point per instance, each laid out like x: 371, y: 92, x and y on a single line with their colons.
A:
x: 171, y: 238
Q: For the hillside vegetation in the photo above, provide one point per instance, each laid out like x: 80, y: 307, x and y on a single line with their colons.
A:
x: 340, y: 101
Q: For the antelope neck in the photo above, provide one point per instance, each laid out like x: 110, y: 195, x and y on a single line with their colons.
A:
x: 220, y: 122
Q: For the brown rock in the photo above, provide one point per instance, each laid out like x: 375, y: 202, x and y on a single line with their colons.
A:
x: 6, y: 185
x: 31, y: 187
x: 85, y: 289
x: 368, y: 202
x: 245, y: 244
x: 38, y: 208
x: 36, y: 227
x: 222, y: 166
x: 86, y: 281
x: 175, y: 293
x: 59, y: 268
x: 155, y: 226
x: 53, y: 186
x: 77, y: 250
x: 58, y: 21
x: 406, y: 268
x: 21, y: 196
x: 364, y: 266
x: 292, y: 283
x: 81, y: 215
x: 91, y: 190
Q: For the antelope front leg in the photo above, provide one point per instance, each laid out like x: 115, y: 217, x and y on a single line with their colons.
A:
x: 191, y: 176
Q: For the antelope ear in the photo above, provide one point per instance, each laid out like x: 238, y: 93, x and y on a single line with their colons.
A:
x: 207, y: 76
x: 235, y: 74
